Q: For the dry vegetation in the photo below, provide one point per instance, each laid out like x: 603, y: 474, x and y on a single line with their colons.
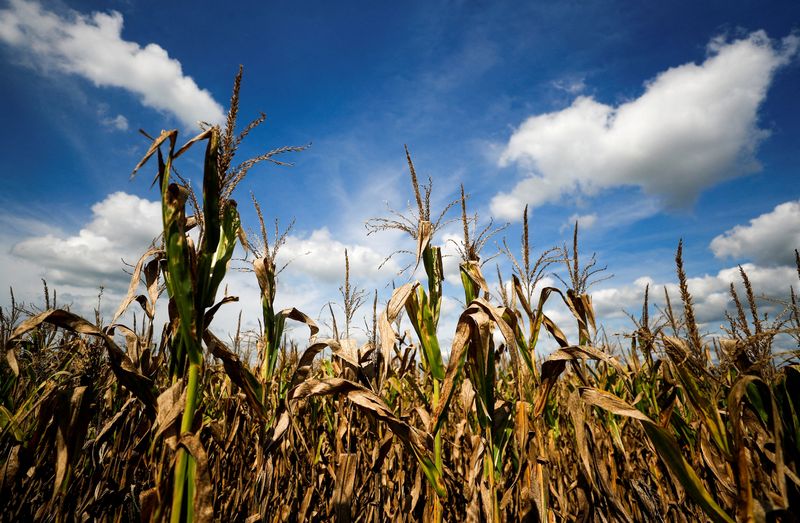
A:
x: 178, y: 425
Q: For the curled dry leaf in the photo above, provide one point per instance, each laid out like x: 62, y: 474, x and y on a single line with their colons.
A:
x: 418, y: 442
x: 472, y: 328
x: 393, y: 310
x: 556, y: 363
x: 149, y: 307
x: 171, y: 404
x: 139, y: 385
x: 424, y: 234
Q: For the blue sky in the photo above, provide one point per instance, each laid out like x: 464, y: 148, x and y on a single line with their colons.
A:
x: 652, y: 121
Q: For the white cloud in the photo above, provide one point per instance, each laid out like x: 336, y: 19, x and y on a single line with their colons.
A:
x: 570, y: 85
x: 119, y: 122
x: 585, y: 221
x: 321, y: 257
x: 91, y: 46
x: 122, y: 227
x: 694, y: 125
x: 768, y: 239
x: 710, y: 294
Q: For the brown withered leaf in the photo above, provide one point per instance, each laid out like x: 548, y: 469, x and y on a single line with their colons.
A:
x: 367, y: 401
x: 473, y: 324
x: 380, y: 452
x: 394, y: 308
x: 556, y: 363
x: 473, y: 270
x: 202, y: 136
x: 238, y: 373
x: 10, y: 469
x: 299, y: 316
x: 304, y: 366
x: 172, y: 135
x: 611, y: 403
x: 139, y: 385
x: 148, y: 501
x: 424, y: 234
x: 343, y: 486
x: 576, y: 411
x: 11, y: 358
x: 204, y: 491
x: 131, y: 340
x: 171, y: 404
x: 112, y: 423
x: 135, y: 280
x: 72, y: 423
x: 302, y: 515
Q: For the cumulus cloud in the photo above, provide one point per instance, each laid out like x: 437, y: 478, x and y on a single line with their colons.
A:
x: 710, y: 293
x: 321, y: 257
x: 91, y: 46
x: 769, y: 239
x: 122, y: 226
x: 694, y: 125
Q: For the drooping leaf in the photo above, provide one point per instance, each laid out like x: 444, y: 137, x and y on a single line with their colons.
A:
x: 122, y: 367
x: 666, y: 446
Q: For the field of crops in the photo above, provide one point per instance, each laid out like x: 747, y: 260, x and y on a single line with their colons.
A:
x: 132, y: 422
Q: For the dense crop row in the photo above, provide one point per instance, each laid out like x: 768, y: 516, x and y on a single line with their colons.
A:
x: 180, y: 425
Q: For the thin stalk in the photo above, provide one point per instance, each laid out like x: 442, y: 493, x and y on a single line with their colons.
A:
x: 438, y: 513
x: 185, y: 465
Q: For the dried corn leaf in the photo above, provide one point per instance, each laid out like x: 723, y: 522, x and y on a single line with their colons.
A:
x: 666, y: 446
x: 135, y: 280
x: 139, y: 385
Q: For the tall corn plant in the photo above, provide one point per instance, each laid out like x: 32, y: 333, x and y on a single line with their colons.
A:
x: 473, y: 349
x: 192, y: 275
x: 527, y: 274
x: 273, y: 321
x: 423, y: 307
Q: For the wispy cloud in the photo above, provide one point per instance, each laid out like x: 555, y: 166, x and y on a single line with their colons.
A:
x: 119, y: 122
x: 92, y: 46
x: 694, y: 126
x: 585, y: 221
x: 570, y: 85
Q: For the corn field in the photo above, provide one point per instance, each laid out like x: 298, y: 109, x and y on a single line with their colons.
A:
x: 115, y: 422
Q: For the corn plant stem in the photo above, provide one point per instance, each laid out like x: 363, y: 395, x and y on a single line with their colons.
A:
x: 184, y: 466
x: 437, y: 455
x: 489, y: 472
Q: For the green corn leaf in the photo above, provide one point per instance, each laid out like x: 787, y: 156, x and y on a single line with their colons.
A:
x: 709, y: 414
x: 423, y: 321
x: 432, y: 259
x: 229, y: 229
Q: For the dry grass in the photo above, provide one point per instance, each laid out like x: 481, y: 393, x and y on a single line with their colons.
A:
x: 178, y: 425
